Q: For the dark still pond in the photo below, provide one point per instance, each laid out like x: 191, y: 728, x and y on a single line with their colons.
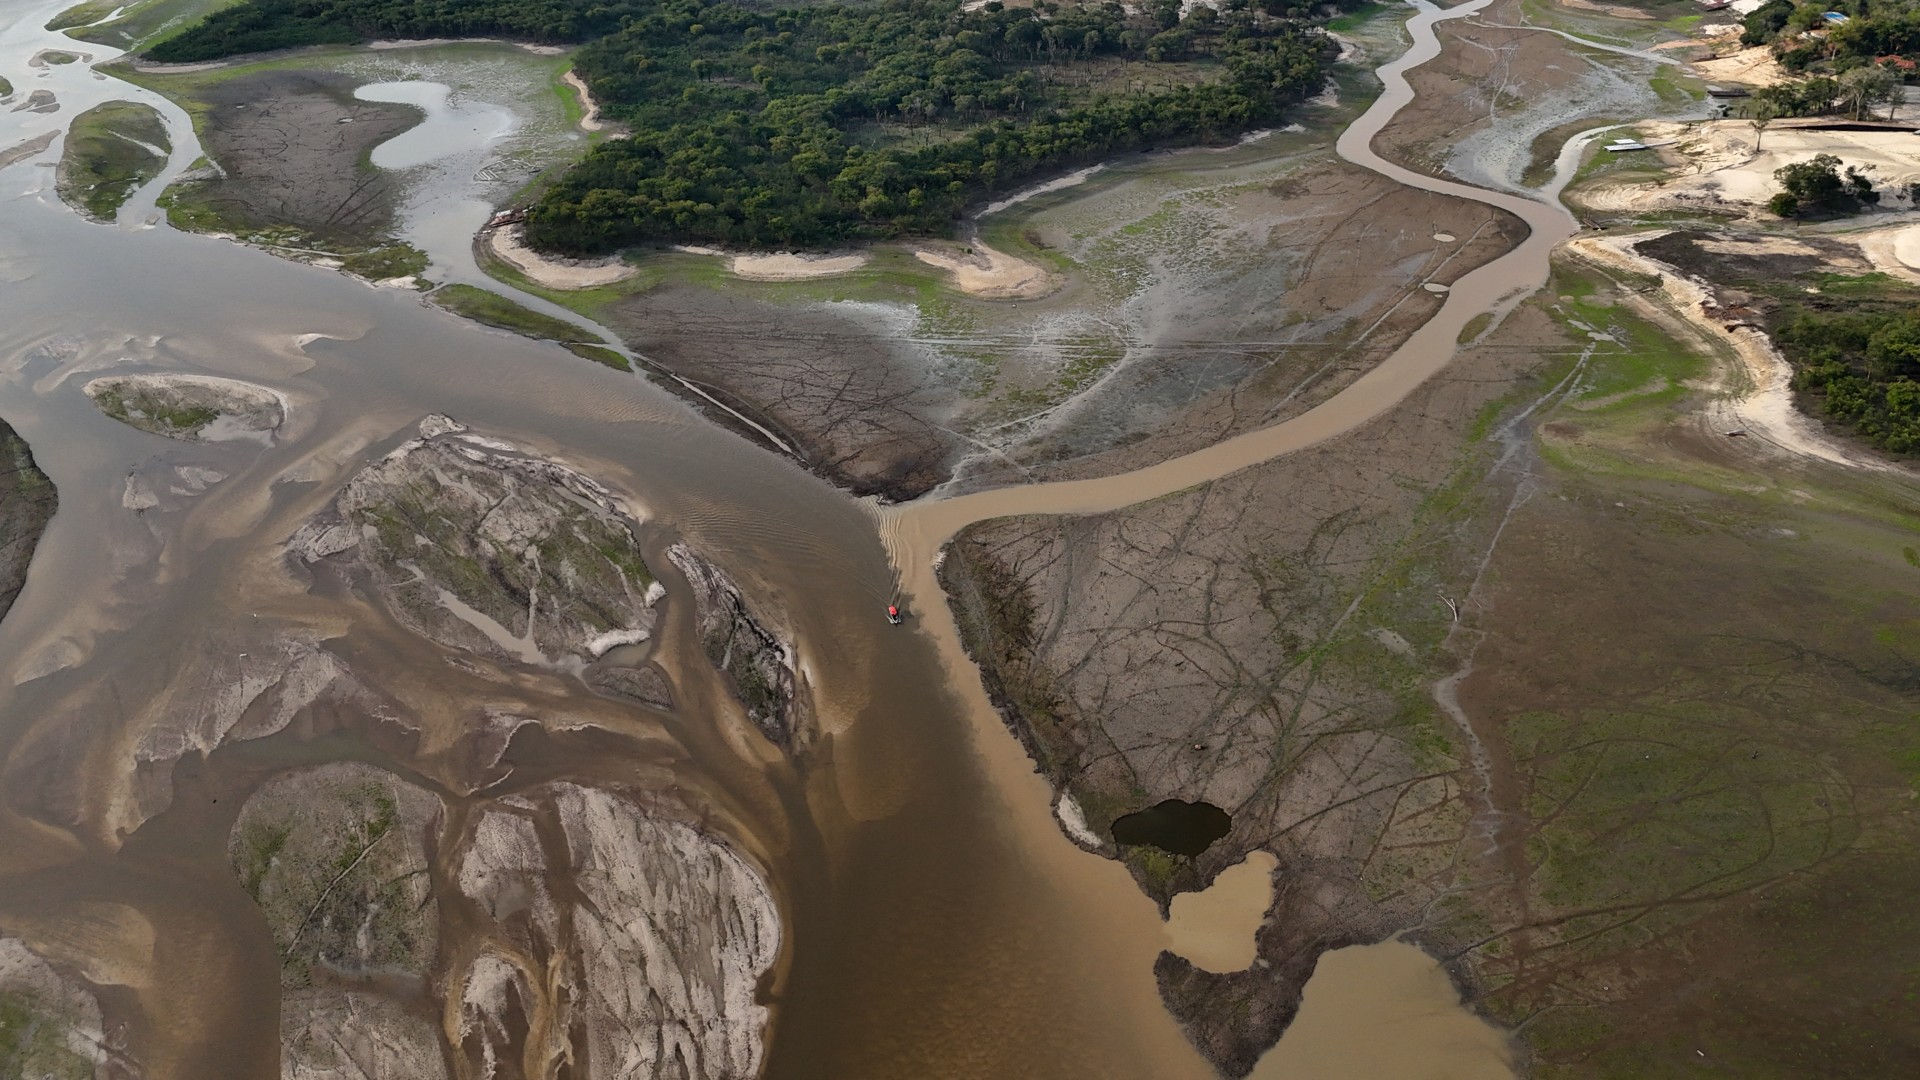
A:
x: 1184, y: 828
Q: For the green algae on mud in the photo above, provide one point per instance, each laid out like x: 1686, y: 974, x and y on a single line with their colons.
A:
x: 598, y: 354
x: 492, y: 309
x: 1685, y: 763
x: 111, y: 150
x: 145, y: 22
x: 82, y: 14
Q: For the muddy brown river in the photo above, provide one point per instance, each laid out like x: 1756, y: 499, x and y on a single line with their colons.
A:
x: 936, y: 922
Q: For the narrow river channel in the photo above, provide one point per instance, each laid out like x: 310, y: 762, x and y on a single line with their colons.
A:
x: 937, y: 922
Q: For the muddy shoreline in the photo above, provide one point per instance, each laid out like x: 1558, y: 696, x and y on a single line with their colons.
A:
x: 27, y: 504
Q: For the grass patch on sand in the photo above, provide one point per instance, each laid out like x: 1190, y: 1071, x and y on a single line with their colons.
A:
x: 107, y: 156
x: 148, y: 22
x: 34, y: 1041
x: 497, y: 311
x: 152, y: 412
x: 81, y: 14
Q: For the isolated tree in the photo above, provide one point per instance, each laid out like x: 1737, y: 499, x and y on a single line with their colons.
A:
x: 1865, y: 87
x: 1761, y: 117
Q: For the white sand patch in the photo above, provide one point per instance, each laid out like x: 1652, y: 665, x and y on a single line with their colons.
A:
x: 1074, y: 821
x: 591, y: 121
x: 990, y: 274
x: 788, y: 266
x: 1758, y: 245
x: 1754, y: 67
x: 509, y: 243
x: 1394, y: 643
x: 181, y: 69
x: 421, y: 43
x: 1714, y: 163
x: 1893, y: 251
x: 598, y: 646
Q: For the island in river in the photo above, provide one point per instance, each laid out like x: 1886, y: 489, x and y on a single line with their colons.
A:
x: 1394, y: 665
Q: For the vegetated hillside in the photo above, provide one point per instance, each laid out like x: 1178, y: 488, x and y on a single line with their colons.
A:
x: 1837, y: 38
x: 812, y: 126
x: 1861, y: 368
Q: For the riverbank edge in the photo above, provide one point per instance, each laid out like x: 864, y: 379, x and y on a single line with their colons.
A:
x: 28, y: 501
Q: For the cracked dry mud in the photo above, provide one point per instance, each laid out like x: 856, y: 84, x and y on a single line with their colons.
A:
x: 288, y: 146
x: 1226, y: 645
x: 478, y: 545
x: 558, y: 928
x: 1269, y: 295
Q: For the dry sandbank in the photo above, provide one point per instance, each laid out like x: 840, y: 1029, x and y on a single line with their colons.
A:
x: 989, y: 274
x: 509, y: 244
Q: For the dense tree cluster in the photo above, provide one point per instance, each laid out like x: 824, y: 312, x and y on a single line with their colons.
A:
x: 1871, y: 34
x: 1863, y: 370
x: 1857, y: 92
x: 816, y: 125
x: 260, y: 25
x: 770, y: 127
x: 1817, y: 186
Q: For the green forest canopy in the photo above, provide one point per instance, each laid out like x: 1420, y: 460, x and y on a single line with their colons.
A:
x: 813, y: 126
x: 1869, y: 33
x: 1862, y: 371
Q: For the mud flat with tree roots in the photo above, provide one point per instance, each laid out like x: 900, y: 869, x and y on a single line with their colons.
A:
x: 285, y: 150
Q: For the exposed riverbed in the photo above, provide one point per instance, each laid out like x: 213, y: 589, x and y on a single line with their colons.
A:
x: 937, y: 921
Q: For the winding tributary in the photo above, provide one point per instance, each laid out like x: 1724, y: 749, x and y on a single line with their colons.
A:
x: 941, y: 924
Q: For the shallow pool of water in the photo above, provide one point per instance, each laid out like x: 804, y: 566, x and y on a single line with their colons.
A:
x: 1183, y: 828
x: 449, y: 128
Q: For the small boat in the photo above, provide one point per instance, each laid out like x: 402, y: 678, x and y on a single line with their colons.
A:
x: 893, y: 614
